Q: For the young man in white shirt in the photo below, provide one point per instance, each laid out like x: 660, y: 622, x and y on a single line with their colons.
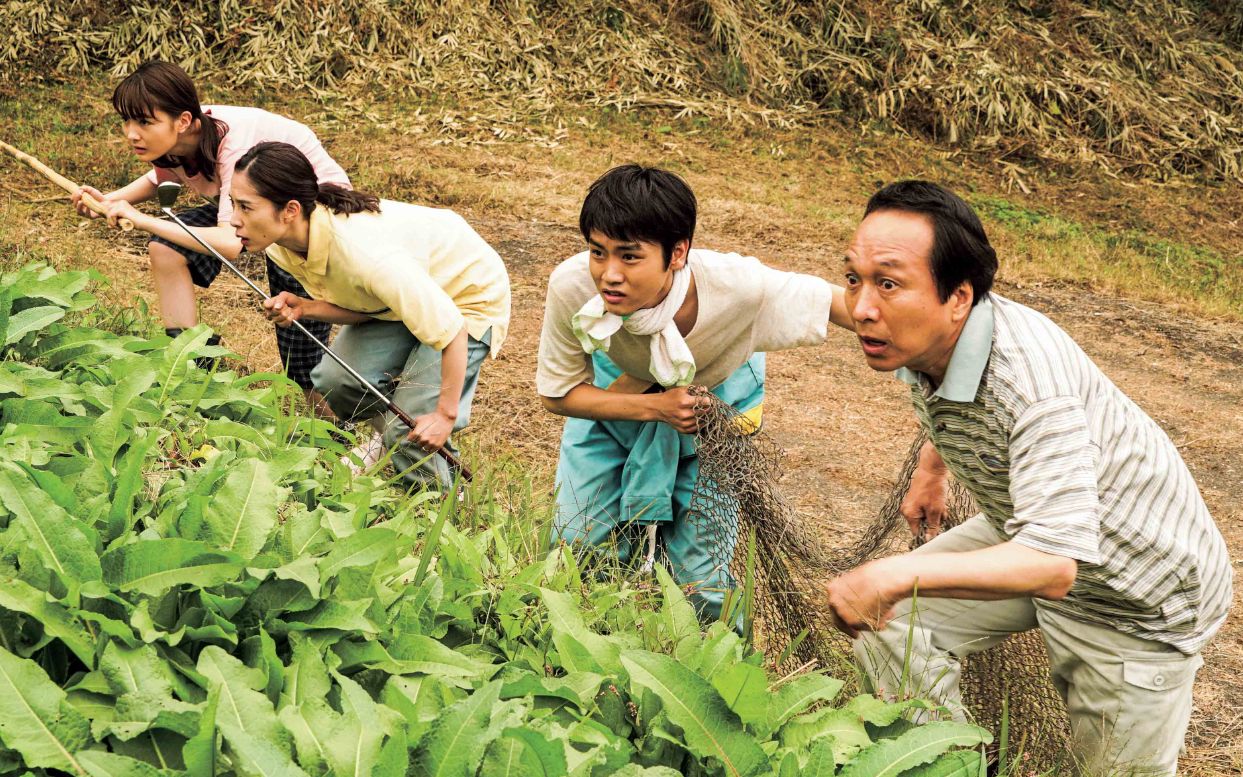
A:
x: 630, y: 325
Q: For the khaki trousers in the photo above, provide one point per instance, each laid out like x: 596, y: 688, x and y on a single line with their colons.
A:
x: 1129, y: 699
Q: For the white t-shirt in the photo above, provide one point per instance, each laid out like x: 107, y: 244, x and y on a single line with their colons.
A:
x: 745, y: 308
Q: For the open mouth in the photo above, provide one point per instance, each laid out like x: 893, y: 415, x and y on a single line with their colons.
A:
x: 613, y: 297
x: 873, y: 346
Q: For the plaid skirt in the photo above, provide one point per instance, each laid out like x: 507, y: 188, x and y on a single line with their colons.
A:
x: 298, y: 353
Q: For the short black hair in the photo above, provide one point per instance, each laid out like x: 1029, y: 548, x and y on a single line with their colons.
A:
x: 633, y: 202
x: 960, y: 249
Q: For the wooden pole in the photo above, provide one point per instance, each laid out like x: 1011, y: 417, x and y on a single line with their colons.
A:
x: 61, y: 181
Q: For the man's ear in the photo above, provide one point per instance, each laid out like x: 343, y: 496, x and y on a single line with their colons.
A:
x: 677, y: 257
x: 961, y: 301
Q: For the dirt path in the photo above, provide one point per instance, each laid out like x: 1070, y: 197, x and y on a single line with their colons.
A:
x: 845, y: 428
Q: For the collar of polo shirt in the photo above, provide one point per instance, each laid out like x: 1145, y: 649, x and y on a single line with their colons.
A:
x: 319, y: 241
x: 967, y: 362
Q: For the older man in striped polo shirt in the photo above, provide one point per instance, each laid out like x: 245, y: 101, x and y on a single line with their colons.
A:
x: 1091, y: 527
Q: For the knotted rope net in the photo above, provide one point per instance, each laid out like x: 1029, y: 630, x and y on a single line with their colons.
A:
x: 736, y: 498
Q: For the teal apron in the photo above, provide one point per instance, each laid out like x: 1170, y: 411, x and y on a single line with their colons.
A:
x: 613, y: 477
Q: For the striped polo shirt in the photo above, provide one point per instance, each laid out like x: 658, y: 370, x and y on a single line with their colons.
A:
x: 1060, y: 460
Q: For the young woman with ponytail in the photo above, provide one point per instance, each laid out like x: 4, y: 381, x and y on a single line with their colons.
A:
x: 422, y: 296
x: 197, y: 145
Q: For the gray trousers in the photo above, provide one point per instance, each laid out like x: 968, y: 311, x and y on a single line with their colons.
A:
x: 1129, y: 699
x: 395, y: 362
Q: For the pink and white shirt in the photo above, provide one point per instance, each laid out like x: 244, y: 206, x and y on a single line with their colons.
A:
x: 248, y: 127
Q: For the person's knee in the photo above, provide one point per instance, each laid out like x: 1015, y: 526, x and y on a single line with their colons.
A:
x: 165, y: 258
x: 338, y: 388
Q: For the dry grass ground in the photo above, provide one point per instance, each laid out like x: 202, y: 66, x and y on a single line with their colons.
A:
x: 1165, y: 328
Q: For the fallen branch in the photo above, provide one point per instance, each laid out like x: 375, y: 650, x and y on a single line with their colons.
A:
x: 62, y: 182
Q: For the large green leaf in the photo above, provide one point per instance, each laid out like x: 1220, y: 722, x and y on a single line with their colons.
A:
x: 363, y: 548
x: 153, y: 566
x: 35, y: 718
x: 744, y: 687
x: 66, y: 545
x: 580, y: 648
x: 524, y: 752
x: 455, y: 744
x: 246, y: 716
x: 353, y: 746
x: 306, y: 676
x: 891, y: 757
x: 177, y: 360
x: 199, y: 751
x: 57, y: 621
x: 419, y: 700
x: 31, y: 320
x: 960, y: 763
x: 794, y: 697
x: 414, y: 654
x: 242, y: 513
x: 100, y: 764
x: 711, y: 729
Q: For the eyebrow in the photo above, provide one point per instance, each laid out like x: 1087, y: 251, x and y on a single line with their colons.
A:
x: 622, y: 247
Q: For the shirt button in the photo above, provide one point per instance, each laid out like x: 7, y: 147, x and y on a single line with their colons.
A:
x: 1159, y: 680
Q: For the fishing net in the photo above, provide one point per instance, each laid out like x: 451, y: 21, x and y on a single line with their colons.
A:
x: 737, y: 505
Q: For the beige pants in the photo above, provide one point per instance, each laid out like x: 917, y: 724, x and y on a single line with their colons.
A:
x: 1129, y: 699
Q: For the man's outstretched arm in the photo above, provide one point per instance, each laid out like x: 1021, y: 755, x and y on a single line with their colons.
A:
x: 863, y: 598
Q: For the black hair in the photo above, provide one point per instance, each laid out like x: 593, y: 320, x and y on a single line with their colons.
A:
x: 163, y: 86
x: 280, y: 173
x: 960, y: 249
x: 632, y: 202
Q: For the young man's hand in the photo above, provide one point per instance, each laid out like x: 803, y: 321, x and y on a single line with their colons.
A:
x: 431, y: 431
x: 284, y: 309
x: 924, y: 504
x: 680, y: 408
x: 863, y: 598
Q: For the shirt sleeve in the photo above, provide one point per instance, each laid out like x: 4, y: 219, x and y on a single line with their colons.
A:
x: 561, y: 362
x: 794, y: 310
x: 405, y: 287
x: 1053, y: 482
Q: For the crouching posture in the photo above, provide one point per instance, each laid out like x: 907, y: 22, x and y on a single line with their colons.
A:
x: 629, y: 325
x: 197, y: 145
x: 423, y: 299
x: 1091, y: 527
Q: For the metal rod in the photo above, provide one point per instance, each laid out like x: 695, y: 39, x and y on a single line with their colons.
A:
x: 390, y: 405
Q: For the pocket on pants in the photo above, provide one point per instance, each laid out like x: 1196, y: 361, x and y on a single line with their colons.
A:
x: 1161, y: 674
